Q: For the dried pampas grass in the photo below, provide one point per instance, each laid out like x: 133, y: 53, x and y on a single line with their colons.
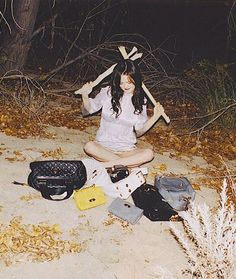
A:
x: 209, y: 239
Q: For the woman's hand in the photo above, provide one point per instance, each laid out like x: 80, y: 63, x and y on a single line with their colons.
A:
x: 158, y: 110
x: 86, y: 89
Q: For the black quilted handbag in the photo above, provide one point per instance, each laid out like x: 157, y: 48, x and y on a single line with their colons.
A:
x: 57, y: 177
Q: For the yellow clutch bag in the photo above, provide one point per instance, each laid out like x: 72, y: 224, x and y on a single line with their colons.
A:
x: 89, y: 197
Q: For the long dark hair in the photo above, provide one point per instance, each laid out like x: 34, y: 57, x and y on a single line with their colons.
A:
x: 131, y: 69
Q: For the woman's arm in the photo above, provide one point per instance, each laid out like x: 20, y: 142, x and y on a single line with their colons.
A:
x: 86, y: 106
x: 92, y: 105
x: 157, y: 112
x: 84, y: 92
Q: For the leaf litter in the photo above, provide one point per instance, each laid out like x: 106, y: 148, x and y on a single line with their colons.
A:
x: 42, y: 242
x: 36, y: 243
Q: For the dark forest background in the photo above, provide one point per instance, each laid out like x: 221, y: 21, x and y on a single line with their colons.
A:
x: 189, y: 47
x: 189, y: 30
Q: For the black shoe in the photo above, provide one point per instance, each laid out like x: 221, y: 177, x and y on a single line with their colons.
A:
x: 118, y: 172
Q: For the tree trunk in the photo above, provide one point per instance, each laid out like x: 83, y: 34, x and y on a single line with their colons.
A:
x: 17, y: 44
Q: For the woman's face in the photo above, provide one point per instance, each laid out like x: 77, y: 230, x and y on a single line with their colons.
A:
x: 127, y: 84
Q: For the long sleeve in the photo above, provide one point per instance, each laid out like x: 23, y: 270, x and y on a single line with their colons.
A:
x: 96, y: 103
x: 141, y: 119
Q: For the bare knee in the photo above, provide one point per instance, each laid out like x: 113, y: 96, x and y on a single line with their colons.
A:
x: 148, y: 155
x: 89, y: 147
x: 98, y: 152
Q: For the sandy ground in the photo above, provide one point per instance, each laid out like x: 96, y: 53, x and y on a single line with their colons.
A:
x: 139, y: 251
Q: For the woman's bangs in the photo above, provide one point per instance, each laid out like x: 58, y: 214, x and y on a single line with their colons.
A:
x: 130, y: 79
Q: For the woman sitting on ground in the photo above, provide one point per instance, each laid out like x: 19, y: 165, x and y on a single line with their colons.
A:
x: 123, y: 118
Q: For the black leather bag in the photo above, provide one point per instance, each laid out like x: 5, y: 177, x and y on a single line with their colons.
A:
x: 150, y: 200
x: 57, y: 177
x: 118, y: 172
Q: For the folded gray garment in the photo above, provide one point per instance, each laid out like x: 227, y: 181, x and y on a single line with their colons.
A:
x: 125, y: 210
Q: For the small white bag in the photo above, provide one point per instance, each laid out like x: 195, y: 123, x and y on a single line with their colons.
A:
x: 97, y: 174
x: 128, y: 185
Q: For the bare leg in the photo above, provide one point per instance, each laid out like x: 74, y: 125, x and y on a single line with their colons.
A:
x: 99, y: 153
x: 132, y: 158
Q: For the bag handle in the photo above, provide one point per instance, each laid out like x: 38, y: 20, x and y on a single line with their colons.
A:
x: 46, y: 193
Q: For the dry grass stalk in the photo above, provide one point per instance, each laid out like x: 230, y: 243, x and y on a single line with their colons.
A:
x: 213, y: 89
x: 209, y: 239
x: 25, y: 93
